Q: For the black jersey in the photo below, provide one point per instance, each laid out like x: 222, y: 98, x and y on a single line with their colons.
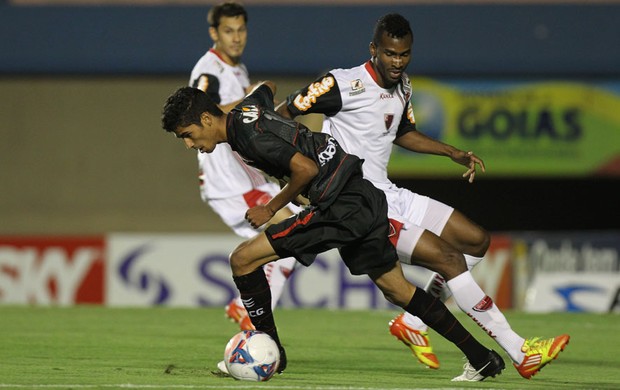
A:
x: 268, y: 141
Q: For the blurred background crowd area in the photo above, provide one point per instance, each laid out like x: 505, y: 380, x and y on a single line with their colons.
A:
x: 533, y: 87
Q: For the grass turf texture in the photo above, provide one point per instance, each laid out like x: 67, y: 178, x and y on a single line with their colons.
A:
x: 108, y: 348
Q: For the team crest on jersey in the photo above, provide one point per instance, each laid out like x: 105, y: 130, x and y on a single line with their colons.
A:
x: 388, y: 118
x: 315, y: 90
x: 357, y: 87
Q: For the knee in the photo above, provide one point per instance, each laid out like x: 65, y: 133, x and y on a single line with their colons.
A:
x: 238, y: 261
x: 453, y: 264
x: 483, y: 241
x: 401, y: 297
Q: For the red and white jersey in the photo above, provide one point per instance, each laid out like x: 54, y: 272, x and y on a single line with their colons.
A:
x: 364, y: 117
x: 222, y: 173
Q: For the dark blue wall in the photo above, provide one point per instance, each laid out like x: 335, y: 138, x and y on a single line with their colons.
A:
x: 466, y: 40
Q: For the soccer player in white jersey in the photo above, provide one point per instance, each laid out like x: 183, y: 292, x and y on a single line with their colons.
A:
x: 229, y: 186
x: 368, y: 109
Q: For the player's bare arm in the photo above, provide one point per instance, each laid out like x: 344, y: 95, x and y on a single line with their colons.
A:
x: 421, y: 143
x: 300, y: 200
x: 303, y: 170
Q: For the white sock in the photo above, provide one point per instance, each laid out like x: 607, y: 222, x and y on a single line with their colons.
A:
x: 277, y: 273
x: 414, y: 322
x: 480, y: 307
x: 472, y: 261
x: 437, y: 287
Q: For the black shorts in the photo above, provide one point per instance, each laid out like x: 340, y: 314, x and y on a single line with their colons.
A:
x: 356, y: 223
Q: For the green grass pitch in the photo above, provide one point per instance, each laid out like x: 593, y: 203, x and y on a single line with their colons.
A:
x: 171, y: 348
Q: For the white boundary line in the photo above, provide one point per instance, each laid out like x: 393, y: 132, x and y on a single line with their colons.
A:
x: 218, y: 387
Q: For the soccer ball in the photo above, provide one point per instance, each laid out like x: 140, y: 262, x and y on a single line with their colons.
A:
x: 252, y: 355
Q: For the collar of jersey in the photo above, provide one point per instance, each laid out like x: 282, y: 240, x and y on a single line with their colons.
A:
x: 371, y: 71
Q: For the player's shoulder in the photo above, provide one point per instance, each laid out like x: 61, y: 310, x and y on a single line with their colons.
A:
x: 210, y: 62
x: 405, y: 85
x: 349, y: 79
x: 347, y: 73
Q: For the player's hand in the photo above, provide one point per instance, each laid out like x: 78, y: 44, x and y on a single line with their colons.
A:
x: 259, y: 215
x: 469, y: 160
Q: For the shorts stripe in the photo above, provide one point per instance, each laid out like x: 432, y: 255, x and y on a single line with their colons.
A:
x: 297, y: 222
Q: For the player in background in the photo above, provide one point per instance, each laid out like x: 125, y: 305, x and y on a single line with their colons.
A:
x: 347, y: 212
x: 227, y: 184
x: 368, y: 109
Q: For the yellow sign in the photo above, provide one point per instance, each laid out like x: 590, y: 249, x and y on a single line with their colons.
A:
x: 518, y: 129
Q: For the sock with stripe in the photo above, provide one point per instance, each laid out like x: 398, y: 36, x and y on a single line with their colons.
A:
x: 436, y: 315
x: 256, y: 297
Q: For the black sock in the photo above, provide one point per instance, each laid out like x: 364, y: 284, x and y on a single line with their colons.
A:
x: 437, y: 316
x: 256, y: 297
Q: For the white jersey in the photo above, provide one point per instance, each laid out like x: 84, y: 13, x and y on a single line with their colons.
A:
x: 364, y: 117
x: 222, y: 173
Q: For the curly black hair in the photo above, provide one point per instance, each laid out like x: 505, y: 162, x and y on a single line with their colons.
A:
x: 185, y: 106
x: 395, y: 25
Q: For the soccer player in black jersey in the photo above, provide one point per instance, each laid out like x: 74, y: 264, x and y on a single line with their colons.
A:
x: 346, y: 211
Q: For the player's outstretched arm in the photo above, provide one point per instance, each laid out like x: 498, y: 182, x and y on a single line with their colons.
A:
x: 470, y: 160
x: 421, y: 143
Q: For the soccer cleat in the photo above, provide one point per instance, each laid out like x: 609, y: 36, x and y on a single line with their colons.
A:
x: 492, y: 366
x: 418, y: 341
x: 235, y: 312
x: 539, y: 353
x: 283, y: 362
x: 223, y: 370
x: 246, y: 324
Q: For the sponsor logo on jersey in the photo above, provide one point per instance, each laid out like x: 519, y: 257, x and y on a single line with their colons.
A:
x: 249, y: 113
x: 315, y: 90
x: 328, y: 153
x: 384, y: 95
x: 357, y: 87
x: 410, y: 113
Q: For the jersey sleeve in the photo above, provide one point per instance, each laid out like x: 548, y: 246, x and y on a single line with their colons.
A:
x: 272, y: 155
x: 407, y: 121
x: 319, y: 97
x: 261, y: 96
x: 210, y: 84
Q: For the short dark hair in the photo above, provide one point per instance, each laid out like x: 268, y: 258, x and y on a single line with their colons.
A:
x: 229, y: 9
x: 395, y: 25
x: 185, y: 106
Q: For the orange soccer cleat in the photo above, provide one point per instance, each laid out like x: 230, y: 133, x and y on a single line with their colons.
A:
x: 417, y: 341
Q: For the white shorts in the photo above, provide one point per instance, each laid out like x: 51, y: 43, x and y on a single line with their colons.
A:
x: 232, y: 209
x: 417, y: 213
